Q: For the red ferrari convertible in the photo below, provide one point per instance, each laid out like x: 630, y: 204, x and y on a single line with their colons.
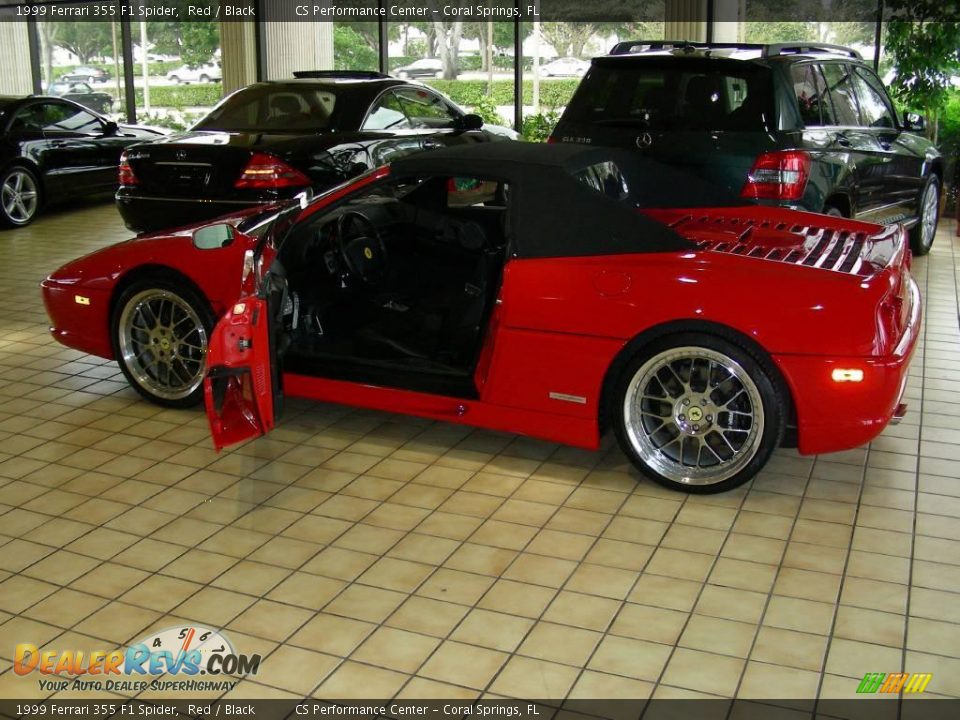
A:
x: 550, y: 290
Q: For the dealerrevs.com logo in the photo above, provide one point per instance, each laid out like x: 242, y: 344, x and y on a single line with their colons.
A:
x: 182, y: 652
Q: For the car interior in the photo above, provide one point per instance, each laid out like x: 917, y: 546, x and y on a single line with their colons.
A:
x: 396, y: 286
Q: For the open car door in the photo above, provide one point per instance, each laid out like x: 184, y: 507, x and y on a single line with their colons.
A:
x: 243, y: 386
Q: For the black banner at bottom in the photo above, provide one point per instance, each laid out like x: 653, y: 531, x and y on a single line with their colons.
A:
x: 869, y: 707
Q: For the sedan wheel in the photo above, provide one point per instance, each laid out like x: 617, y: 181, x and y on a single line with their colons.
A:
x: 922, y: 234
x: 19, y: 196
x: 699, y: 416
x: 161, y: 336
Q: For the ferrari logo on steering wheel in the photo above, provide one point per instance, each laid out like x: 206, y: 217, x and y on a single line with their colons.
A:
x: 368, y: 253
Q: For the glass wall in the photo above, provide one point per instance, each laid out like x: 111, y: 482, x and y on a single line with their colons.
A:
x: 556, y: 55
x: 83, y: 61
x: 469, y: 62
x: 177, y: 71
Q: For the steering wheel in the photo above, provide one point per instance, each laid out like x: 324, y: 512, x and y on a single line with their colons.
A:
x: 361, y: 248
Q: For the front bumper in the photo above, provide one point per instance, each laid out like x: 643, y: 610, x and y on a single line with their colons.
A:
x: 834, y: 416
x: 79, y: 316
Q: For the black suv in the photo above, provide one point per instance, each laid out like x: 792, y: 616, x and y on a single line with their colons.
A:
x: 807, y: 126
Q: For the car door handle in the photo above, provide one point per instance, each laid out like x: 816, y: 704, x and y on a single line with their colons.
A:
x: 431, y: 143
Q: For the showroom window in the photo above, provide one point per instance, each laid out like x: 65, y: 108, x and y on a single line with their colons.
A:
x: 83, y: 62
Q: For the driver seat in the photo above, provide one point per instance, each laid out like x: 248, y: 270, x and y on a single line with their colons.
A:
x: 443, y: 328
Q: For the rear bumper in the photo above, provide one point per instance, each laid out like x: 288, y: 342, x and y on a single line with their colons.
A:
x: 833, y: 416
x: 150, y: 213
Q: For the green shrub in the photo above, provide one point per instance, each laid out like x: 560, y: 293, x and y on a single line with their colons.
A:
x: 537, y: 128
x: 487, y: 110
x: 182, y: 96
x: 553, y: 93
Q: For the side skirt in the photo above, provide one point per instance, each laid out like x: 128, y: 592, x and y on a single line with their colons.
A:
x: 579, y: 432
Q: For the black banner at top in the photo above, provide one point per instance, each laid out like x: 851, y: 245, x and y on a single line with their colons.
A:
x: 451, y: 11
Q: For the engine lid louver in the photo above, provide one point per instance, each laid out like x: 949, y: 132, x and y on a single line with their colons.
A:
x: 807, y: 245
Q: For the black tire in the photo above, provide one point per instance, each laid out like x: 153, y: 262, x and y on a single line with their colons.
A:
x: 637, y: 438
x: 128, y: 344
x: 174, y: 79
x: 204, y: 79
x: 12, y: 213
x: 923, y: 233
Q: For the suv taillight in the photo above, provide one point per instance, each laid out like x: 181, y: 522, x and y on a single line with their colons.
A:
x: 125, y: 174
x: 266, y: 171
x: 778, y: 175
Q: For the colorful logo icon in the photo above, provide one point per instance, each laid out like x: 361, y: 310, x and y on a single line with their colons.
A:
x: 893, y: 683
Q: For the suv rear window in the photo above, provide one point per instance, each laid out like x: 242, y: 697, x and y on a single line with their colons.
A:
x: 678, y: 95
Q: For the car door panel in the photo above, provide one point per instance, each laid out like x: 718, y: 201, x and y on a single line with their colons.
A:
x: 238, y: 389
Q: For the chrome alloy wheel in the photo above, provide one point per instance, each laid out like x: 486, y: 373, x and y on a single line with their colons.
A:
x: 163, y: 343
x: 693, y: 415
x: 19, y: 196
x: 929, y: 211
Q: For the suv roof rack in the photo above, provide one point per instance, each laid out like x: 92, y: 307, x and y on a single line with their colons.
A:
x: 344, y: 74
x: 771, y: 50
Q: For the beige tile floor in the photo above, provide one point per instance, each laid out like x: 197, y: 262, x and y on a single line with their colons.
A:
x: 365, y: 554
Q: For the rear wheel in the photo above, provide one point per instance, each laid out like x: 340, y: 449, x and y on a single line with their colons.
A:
x: 160, y: 330
x: 697, y: 413
x: 204, y: 78
x: 19, y: 196
x: 922, y: 234
x: 175, y: 80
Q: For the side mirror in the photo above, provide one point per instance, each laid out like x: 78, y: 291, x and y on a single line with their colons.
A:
x: 468, y: 122
x: 212, y: 237
x: 913, y: 122
x: 110, y: 128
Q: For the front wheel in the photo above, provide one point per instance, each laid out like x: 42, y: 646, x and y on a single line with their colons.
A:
x: 160, y: 331
x: 697, y: 413
x: 19, y: 197
x: 922, y: 234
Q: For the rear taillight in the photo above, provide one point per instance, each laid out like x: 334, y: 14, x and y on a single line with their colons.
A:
x: 266, y: 171
x: 551, y: 140
x: 125, y: 174
x: 778, y: 175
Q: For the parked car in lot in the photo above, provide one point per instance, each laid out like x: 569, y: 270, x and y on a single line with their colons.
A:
x: 273, y: 139
x: 565, y: 67
x: 555, y: 291
x: 797, y: 125
x: 80, y: 92
x: 54, y: 149
x: 425, y: 67
x: 186, y: 74
x: 87, y: 74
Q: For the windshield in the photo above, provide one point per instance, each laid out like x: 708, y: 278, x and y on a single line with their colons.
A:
x: 274, y: 224
x: 283, y: 108
x: 664, y: 95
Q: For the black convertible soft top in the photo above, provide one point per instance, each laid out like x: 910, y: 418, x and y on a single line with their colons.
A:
x: 555, y: 214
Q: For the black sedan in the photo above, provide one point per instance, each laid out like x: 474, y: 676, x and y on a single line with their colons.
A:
x: 54, y: 149
x: 271, y: 140
x: 81, y: 92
